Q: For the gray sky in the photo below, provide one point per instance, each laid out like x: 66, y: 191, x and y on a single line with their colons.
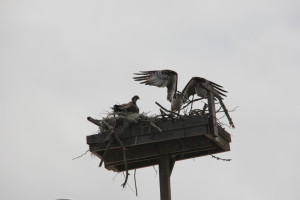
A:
x: 61, y: 61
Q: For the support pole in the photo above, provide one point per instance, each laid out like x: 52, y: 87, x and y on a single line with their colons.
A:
x: 164, y: 177
x: 212, y: 113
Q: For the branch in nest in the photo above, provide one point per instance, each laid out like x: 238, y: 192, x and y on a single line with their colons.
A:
x: 120, y: 142
x: 174, y: 113
x: 113, y: 134
x: 126, y: 167
x: 155, y: 126
x: 105, y: 152
x: 226, y: 113
x: 136, y: 190
x: 94, y: 121
x: 232, y: 110
x: 194, y: 100
x: 204, y: 108
x: 219, y: 110
x: 108, y: 126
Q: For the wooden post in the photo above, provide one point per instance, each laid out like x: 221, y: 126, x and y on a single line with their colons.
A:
x: 212, y: 113
x: 164, y: 177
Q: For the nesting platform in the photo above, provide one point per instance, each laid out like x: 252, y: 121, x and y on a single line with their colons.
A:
x: 163, y: 143
x: 180, y: 139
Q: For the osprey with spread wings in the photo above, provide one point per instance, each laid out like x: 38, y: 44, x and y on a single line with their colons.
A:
x: 168, y: 78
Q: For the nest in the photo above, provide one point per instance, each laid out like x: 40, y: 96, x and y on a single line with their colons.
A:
x: 121, y: 121
x: 115, y: 124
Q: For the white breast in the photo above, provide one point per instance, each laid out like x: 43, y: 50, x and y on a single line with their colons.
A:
x: 176, y: 104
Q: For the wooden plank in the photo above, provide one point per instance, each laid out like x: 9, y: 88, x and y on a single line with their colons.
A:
x: 175, y: 156
x: 196, y: 121
x: 134, y: 165
x: 222, y: 132
x: 171, y: 135
x: 97, y: 138
x: 97, y: 144
x: 138, y: 130
x: 152, y: 150
x: 195, y: 131
x: 195, y: 154
x: 212, y: 114
x: 220, y: 141
x: 119, y: 167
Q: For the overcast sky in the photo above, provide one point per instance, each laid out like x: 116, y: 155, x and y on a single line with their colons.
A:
x: 61, y: 61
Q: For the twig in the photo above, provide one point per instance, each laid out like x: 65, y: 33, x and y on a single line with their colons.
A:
x: 115, y: 176
x: 155, y: 170
x: 120, y: 142
x: 220, y: 158
x: 108, y: 126
x: 81, y: 155
x: 162, y: 112
x: 105, y: 152
x: 221, y: 117
x: 155, y: 126
x: 232, y: 110
x: 128, y: 184
x: 222, y: 124
x: 204, y: 108
x: 226, y: 113
x: 194, y: 100
x: 94, y: 121
x: 174, y: 113
x: 136, y: 190
x: 126, y: 167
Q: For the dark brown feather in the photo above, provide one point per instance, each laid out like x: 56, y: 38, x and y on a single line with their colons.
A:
x: 198, y: 84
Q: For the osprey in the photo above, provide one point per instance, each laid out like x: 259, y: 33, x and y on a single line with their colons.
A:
x: 169, y: 78
x: 130, y: 107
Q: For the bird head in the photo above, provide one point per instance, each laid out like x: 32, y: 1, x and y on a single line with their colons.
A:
x: 135, y: 98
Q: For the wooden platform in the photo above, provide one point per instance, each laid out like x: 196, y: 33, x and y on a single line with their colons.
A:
x: 181, y: 139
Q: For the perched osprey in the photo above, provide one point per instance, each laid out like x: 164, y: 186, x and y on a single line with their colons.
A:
x: 130, y: 107
x: 169, y: 78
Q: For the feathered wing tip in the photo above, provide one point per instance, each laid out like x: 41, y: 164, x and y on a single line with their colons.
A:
x: 199, y: 82
x: 143, y: 77
x: 159, y: 78
x: 216, y: 87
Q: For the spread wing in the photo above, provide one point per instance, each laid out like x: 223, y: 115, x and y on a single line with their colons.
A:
x: 200, y: 86
x: 159, y: 78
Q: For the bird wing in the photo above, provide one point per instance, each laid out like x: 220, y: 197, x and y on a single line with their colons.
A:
x: 159, y: 78
x: 198, y: 83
